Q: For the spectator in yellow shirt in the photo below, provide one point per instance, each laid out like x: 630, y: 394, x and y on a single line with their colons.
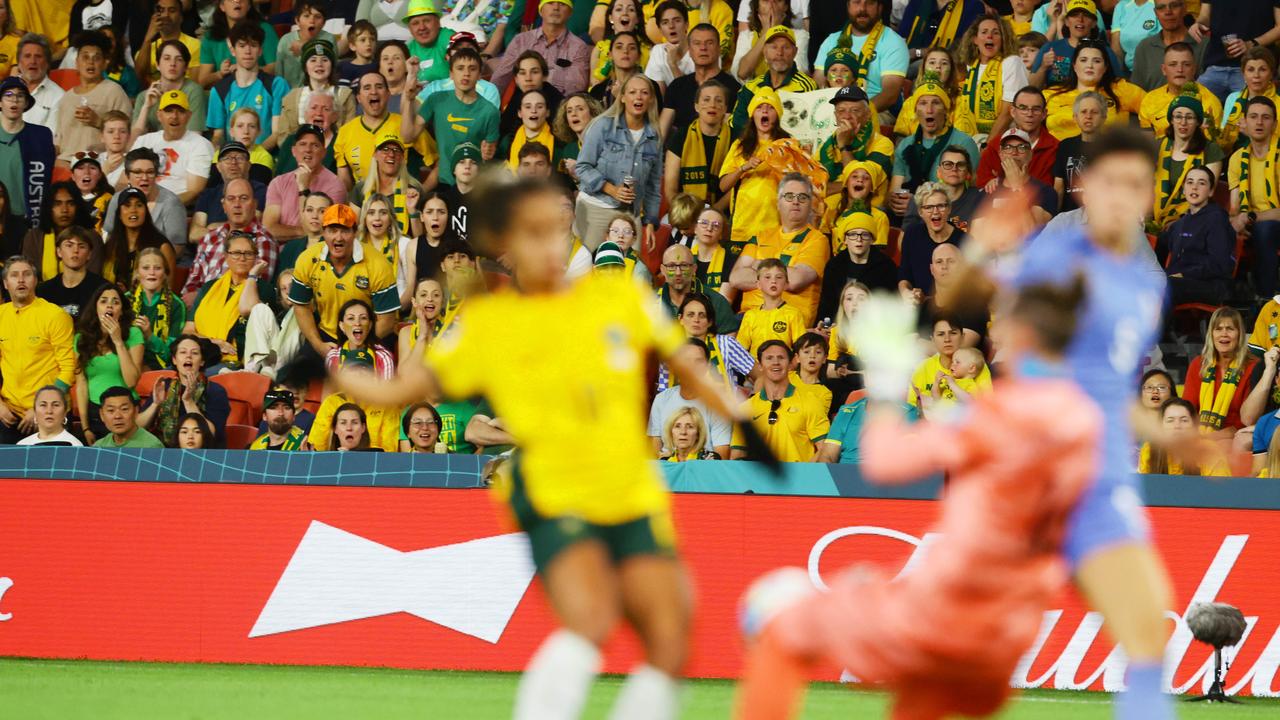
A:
x: 937, y: 369
x: 790, y: 420
x: 774, y: 319
x: 1090, y: 70
x: 35, y: 349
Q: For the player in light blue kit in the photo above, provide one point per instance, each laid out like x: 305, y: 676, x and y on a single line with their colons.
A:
x: 1107, y: 544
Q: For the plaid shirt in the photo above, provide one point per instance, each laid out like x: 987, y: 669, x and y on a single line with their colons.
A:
x: 727, y: 353
x: 211, y: 259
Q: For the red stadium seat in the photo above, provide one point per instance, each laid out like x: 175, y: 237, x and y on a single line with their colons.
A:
x: 65, y: 78
x: 180, y: 275
x: 147, y: 381
x: 855, y: 396
x: 244, y: 389
x: 239, y: 436
x: 894, y: 247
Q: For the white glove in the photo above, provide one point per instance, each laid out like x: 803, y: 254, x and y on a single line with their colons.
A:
x: 884, y: 332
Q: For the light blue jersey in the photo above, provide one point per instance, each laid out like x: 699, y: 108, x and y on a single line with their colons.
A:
x: 1120, y: 323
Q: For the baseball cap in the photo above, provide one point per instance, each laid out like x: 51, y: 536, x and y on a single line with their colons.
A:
x: 174, y: 97
x: 318, y: 46
x: 309, y: 129
x: 277, y: 395
x: 388, y: 136
x: 1085, y: 5
x: 16, y: 83
x: 465, y: 151
x: 849, y: 93
x: 609, y: 255
x: 339, y: 214
x: 85, y: 156
x: 1015, y: 133
x: 778, y: 31
x: 463, y: 36
x: 233, y: 146
x: 562, y: 2
x: 420, y: 7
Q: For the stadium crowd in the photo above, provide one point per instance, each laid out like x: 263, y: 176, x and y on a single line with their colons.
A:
x: 194, y: 193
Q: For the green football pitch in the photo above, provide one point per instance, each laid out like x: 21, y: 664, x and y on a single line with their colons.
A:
x: 35, y: 689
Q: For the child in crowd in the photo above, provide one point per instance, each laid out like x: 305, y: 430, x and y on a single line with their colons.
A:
x: 75, y: 283
x: 309, y: 19
x: 158, y: 312
x: 1020, y: 18
x: 246, y: 86
x: 841, y: 68
x: 362, y: 38
x: 683, y: 218
x: 1029, y: 45
x: 115, y: 143
x: 774, y: 319
x: 534, y: 128
x: 246, y: 128
x: 966, y: 365
x: 811, y: 355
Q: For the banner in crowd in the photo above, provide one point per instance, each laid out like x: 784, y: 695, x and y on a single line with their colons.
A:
x: 431, y: 578
x: 809, y: 116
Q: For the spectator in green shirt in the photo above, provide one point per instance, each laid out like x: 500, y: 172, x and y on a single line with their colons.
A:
x: 120, y: 415
x: 453, y: 117
x: 429, y: 48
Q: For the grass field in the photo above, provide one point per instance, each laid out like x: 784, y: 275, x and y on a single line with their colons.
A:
x: 35, y: 689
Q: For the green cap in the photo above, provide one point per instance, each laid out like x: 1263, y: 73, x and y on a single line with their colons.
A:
x: 466, y: 151
x: 609, y: 255
x: 318, y: 46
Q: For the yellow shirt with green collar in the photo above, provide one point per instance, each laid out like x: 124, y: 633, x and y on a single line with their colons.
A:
x: 35, y: 350
x: 1154, y: 111
x: 806, y: 246
x: 818, y: 390
x: 368, y: 277
x: 353, y: 146
x: 924, y: 376
x: 759, y: 326
x: 801, y: 423
x: 1266, y: 329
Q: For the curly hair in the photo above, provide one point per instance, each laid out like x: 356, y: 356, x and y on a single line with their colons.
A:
x: 967, y: 48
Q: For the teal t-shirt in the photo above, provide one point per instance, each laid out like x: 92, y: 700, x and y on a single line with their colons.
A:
x: 103, y: 371
x: 846, y: 426
x: 11, y: 173
x: 213, y: 52
x: 453, y: 122
x: 1135, y: 23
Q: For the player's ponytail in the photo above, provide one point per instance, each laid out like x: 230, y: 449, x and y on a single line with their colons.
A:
x: 1052, y: 311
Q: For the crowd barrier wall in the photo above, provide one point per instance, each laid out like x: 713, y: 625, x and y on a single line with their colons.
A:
x: 404, y: 561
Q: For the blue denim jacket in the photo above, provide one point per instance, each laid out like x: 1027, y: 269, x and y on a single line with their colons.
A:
x: 608, y: 153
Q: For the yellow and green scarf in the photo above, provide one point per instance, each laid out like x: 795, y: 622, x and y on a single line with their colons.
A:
x: 160, y: 325
x: 1214, y: 405
x: 1259, y: 198
x: 1170, y: 203
x: 544, y: 137
x: 947, y: 26
x: 219, y: 311
x: 714, y: 276
x: 983, y: 92
x: 695, y: 172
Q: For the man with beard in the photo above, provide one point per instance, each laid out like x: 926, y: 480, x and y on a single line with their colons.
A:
x: 782, y: 74
x: 882, y: 54
x: 278, y: 412
x: 354, y: 147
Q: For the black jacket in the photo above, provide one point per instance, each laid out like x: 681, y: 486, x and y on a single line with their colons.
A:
x: 878, y: 274
x: 1202, y: 245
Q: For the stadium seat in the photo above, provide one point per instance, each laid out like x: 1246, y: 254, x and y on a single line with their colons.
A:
x: 147, y: 381
x: 855, y: 396
x: 65, y: 78
x: 315, y: 395
x: 246, y: 390
x: 894, y: 247
x: 180, y: 275
x: 239, y: 436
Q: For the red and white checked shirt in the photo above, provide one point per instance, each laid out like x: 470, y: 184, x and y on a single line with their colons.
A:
x: 211, y: 259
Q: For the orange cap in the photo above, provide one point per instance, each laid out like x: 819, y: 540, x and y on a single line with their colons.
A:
x: 339, y: 214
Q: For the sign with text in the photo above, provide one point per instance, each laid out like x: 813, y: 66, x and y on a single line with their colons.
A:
x: 419, y: 578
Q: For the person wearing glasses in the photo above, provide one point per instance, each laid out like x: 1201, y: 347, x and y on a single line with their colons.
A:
x: 421, y: 423
x: 26, y: 150
x: 1156, y: 389
x: 791, y: 420
x: 220, y: 311
x: 1027, y: 114
x: 187, y: 155
x: 915, y: 282
x: 861, y: 262
x: 211, y: 260
x: 954, y: 176
x: 233, y: 164
x: 916, y: 158
x: 803, y: 249
x: 1015, y: 177
x: 141, y: 168
x: 622, y: 230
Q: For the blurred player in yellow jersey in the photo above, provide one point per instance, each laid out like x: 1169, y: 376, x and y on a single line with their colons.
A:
x: 564, y: 366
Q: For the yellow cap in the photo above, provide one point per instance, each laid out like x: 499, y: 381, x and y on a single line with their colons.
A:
x: 174, y: 97
x: 934, y: 89
x: 780, y: 31
x: 562, y: 2
x: 387, y: 136
x: 1085, y: 5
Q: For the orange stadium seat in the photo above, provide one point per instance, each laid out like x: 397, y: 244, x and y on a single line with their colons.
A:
x: 65, y: 78
x: 894, y: 247
x: 239, y: 436
x: 147, y: 381
x: 245, y: 391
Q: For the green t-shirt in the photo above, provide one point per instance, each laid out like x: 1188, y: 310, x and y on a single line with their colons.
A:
x: 140, y: 439
x: 433, y: 63
x: 213, y: 52
x: 454, y: 417
x: 11, y: 173
x: 103, y: 371
x: 453, y: 122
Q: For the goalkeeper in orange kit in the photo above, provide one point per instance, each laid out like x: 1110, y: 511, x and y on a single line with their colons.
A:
x: 946, y: 637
